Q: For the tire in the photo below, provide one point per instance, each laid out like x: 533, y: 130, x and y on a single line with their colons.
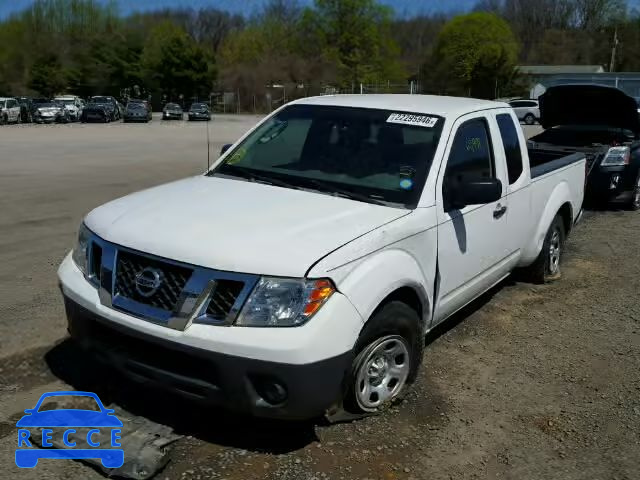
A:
x: 529, y: 119
x: 546, y: 268
x: 393, y: 335
x: 635, y: 195
x: 4, y: 120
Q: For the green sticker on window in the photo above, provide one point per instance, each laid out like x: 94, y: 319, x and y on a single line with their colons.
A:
x: 474, y: 144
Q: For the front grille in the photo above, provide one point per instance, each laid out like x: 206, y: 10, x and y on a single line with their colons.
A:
x: 223, y: 298
x: 173, y: 279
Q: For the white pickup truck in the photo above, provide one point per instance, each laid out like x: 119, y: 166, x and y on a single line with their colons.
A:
x: 299, y: 275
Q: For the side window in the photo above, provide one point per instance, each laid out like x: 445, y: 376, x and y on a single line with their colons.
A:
x: 516, y: 104
x: 511, y: 143
x: 471, y: 156
x: 531, y: 104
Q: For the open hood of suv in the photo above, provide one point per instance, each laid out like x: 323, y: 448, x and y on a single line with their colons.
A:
x: 588, y: 105
x: 237, y: 226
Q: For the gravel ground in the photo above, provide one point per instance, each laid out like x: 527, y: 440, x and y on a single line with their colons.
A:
x: 529, y: 382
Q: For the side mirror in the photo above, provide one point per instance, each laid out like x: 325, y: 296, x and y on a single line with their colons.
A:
x: 475, y: 192
x: 225, y: 148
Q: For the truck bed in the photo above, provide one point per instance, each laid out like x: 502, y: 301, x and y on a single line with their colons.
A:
x: 539, y: 157
x: 545, y: 161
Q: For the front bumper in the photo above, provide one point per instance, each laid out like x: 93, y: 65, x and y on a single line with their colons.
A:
x: 221, y: 365
x: 172, y: 116
x: 609, y: 183
x: 257, y: 387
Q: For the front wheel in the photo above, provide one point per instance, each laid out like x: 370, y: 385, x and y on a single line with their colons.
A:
x: 546, y: 268
x: 388, y: 354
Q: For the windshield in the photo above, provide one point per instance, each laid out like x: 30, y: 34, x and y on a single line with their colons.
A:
x: 47, y: 105
x: 377, y: 156
x: 100, y: 100
x: 136, y: 106
x: 198, y: 107
x: 172, y: 106
x: 66, y: 101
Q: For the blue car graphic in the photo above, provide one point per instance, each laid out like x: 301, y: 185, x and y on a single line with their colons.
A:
x: 67, y: 419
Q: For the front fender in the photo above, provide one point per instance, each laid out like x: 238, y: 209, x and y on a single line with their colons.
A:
x: 382, y: 273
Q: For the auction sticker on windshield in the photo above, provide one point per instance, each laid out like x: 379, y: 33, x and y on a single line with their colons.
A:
x: 83, y: 430
x: 415, y: 120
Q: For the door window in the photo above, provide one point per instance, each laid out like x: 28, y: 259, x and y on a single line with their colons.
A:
x: 471, y: 157
x: 511, y: 143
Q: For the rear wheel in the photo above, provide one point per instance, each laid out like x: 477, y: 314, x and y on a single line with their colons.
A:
x: 546, y: 268
x: 529, y: 119
x: 4, y: 120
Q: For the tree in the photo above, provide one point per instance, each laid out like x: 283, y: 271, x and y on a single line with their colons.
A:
x: 173, y: 63
x: 356, y: 36
x: 479, y: 53
x: 46, y: 76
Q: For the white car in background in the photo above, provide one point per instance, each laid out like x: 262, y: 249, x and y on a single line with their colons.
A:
x: 9, y: 111
x: 72, y: 104
x: 527, y: 111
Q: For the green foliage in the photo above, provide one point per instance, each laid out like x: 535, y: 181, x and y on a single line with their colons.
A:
x: 47, y: 76
x: 174, y: 64
x: 479, y: 50
x: 356, y: 36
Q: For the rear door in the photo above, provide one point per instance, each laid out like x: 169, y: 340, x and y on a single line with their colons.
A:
x: 472, y: 249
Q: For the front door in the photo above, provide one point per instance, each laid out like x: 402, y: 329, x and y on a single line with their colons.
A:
x: 472, y: 246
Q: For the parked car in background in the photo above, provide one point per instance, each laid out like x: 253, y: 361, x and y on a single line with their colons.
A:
x: 109, y: 105
x: 602, y: 123
x: 96, y: 112
x: 26, y: 109
x: 72, y: 105
x: 312, y: 289
x: 137, y: 111
x: 51, y: 112
x: 199, y: 111
x: 9, y: 111
x: 172, y: 111
x: 527, y: 111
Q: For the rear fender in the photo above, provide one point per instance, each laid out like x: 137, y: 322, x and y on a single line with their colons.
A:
x: 559, y: 197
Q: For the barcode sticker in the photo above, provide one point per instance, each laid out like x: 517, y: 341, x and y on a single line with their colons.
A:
x: 415, y: 120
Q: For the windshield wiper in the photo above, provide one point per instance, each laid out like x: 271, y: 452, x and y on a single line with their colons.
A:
x: 250, y: 175
x: 332, y: 189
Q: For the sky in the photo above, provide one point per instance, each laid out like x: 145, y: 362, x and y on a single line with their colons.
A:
x: 401, y: 7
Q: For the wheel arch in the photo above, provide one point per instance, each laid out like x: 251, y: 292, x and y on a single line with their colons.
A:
x: 391, y: 275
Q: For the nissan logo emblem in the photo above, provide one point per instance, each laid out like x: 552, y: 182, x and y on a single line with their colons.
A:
x: 148, y: 281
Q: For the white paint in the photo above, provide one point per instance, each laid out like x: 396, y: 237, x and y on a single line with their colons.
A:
x: 367, y: 250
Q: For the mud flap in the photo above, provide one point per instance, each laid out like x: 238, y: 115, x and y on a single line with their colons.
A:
x: 146, y: 446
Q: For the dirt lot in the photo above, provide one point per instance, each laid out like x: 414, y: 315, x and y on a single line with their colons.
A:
x: 530, y: 382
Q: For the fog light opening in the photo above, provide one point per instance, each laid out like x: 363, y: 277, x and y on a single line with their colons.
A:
x: 272, y: 391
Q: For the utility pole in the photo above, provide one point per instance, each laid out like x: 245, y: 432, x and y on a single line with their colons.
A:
x: 614, y: 50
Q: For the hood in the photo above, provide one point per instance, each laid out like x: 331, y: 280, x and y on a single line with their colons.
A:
x: 588, y: 105
x: 237, y: 226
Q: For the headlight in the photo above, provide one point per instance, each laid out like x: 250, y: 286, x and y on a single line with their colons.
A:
x: 284, y: 302
x: 616, y: 157
x: 80, y: 252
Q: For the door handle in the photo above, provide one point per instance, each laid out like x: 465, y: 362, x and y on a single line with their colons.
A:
x: 499, y: 211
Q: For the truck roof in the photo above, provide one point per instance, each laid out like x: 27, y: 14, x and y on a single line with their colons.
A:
x: 432, y: 104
